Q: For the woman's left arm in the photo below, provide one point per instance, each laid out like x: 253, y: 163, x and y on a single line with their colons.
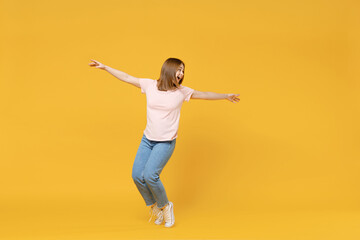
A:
x: 215, y: 96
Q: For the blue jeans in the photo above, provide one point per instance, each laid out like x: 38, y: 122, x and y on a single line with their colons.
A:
x: 150, y: 160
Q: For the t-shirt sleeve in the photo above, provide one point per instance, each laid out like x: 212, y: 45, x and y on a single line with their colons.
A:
x: 144, y: 84
x: 187, y: 93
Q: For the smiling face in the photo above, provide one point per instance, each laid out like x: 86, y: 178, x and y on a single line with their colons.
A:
x: 180, y: 72
x: 171, y: 74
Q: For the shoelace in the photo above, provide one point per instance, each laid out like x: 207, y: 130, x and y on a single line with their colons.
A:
x: 154, y: 213
x: 167, y: 214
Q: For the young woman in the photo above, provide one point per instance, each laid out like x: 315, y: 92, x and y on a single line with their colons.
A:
x: 164, y: 98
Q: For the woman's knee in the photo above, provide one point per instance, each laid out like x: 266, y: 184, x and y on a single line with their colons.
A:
x: 151, y: 177
x: 137, y: 176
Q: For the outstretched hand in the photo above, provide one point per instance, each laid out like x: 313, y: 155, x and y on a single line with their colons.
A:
x: 97, y: 64
x: 233, y: 97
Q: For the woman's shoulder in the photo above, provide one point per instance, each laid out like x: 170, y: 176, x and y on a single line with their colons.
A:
x: 185, y: 88
x: 148, y: 79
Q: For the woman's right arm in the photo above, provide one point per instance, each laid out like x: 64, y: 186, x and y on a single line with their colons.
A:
x: 117, y: 73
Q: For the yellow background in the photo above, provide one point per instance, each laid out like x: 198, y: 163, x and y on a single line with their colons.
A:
x: 283, y: 163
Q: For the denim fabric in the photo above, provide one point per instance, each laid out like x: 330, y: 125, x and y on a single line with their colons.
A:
x: 150, y: 160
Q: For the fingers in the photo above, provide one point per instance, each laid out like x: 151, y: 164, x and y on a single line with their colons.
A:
x: 94, y: 63
x: 233, y: 99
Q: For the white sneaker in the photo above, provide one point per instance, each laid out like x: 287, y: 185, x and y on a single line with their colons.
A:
x: 155, y: 211
x: 168, y: 213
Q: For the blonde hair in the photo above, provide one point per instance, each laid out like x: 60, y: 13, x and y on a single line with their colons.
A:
x: 167, y: 80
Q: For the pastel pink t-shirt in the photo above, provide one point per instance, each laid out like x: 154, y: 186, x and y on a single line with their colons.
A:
x: 163, y: 109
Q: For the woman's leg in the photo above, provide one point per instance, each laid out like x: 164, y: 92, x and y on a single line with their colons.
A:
x: 141, y: 158
x: 158, y: 158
